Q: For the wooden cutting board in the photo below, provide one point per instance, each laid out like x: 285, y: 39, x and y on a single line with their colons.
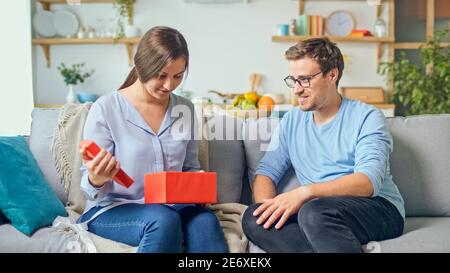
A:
x: 365, y: 94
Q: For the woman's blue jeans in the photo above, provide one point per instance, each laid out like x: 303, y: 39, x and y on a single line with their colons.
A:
x: 160, y: 228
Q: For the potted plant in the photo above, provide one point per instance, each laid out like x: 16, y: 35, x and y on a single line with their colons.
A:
x: 72, y: 76
x: 422, y: 89
x: 125, y: 10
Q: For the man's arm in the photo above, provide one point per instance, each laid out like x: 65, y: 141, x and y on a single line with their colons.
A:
x: 263, y: 188
x: 286, y: 204
x: 357, y: 184
x: 273, y: 165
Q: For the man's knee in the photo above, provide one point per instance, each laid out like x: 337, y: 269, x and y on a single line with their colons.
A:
x: 316, y: 213
x: 249, y: 225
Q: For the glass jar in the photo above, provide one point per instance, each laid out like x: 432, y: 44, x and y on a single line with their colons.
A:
x: 380, y: 28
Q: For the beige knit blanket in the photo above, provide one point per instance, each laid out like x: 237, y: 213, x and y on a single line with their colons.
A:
x: 230, y: 218
x: 65, y: 152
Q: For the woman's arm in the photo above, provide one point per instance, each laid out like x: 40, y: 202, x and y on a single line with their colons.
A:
x: 97, y: 173
x: 191, y: 163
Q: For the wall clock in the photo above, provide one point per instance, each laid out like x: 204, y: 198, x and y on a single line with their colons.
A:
x: 340, y: 23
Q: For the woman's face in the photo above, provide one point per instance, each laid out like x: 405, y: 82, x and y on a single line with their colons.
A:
x: 162, y: 85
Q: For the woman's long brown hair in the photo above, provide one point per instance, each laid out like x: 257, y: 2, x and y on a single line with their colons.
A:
x: 159, y: 46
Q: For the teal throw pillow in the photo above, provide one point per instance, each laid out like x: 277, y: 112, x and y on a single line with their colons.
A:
x: 26, y: 199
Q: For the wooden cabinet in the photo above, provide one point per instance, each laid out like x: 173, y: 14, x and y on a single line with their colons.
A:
x: 418, y: 9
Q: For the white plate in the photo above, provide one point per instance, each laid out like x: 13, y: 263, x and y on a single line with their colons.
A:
x: 66, y: 23
x: 43, y: 23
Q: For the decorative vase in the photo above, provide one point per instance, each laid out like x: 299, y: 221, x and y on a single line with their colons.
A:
x: 380, y: 28
x: 131, y: 31
x: 71, y: 97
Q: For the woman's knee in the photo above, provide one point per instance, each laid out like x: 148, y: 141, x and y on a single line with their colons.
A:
x: 164, y: 218
x: 199, y: 216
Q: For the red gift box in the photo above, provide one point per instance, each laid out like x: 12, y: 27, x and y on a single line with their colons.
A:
x: 180, y: 187
x: 92, y: 149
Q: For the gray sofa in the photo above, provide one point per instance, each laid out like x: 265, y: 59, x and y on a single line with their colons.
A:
x: 420, y: 165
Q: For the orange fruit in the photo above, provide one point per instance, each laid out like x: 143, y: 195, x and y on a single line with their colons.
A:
x: 266, y: 103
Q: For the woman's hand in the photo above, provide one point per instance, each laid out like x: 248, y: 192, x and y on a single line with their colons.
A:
x: 281, y: 207
x: 205, y: 205
x: 102, y: 168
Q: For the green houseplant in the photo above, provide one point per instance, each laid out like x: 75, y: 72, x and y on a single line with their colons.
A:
x: 125, y: 11
x: 72, y: 76
x: 422, y: 89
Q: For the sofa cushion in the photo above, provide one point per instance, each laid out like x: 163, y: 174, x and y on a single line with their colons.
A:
x: 420, y: 163
x: 42, y: 129
x: 226, y: 156
x: 256, y: 135
x: 421, y: 234
x: 25, y: 196
x: 44, y: 240
x: 54, y: 240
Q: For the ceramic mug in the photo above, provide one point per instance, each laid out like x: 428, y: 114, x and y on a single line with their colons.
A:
x: 283, y: 29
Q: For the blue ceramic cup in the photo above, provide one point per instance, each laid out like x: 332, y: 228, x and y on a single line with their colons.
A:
x: 283, y: 29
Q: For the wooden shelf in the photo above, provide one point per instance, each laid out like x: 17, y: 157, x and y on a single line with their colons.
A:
x: 81, y: 1
x: 46, y: 43
x: 383, y: 105
x: 48, y: 105
x: 87, y: 41
x: 345, y: 39
x: 379, y: 41
x: 46, y: 3
x: 415, y: 45
x: 84, y: 41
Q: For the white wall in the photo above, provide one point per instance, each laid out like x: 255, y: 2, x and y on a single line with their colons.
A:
x: 227, y: 42
x: 16, y: 93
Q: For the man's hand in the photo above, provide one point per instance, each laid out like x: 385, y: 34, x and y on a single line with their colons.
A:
x: 281, y: 207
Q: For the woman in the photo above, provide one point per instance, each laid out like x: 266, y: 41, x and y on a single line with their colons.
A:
x: 133, y: 126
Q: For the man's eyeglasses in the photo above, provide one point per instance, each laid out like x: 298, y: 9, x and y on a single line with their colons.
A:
x: 302, y: 81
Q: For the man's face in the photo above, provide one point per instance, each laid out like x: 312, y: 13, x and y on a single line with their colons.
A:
x: 321, y: 86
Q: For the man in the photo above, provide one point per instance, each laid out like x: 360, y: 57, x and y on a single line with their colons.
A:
x: 339, y: 150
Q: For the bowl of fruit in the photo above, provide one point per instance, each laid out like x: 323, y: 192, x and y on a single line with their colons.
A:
x: 251, y: 105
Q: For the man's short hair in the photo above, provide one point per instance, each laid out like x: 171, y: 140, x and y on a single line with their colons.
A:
x: 322, y: 50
